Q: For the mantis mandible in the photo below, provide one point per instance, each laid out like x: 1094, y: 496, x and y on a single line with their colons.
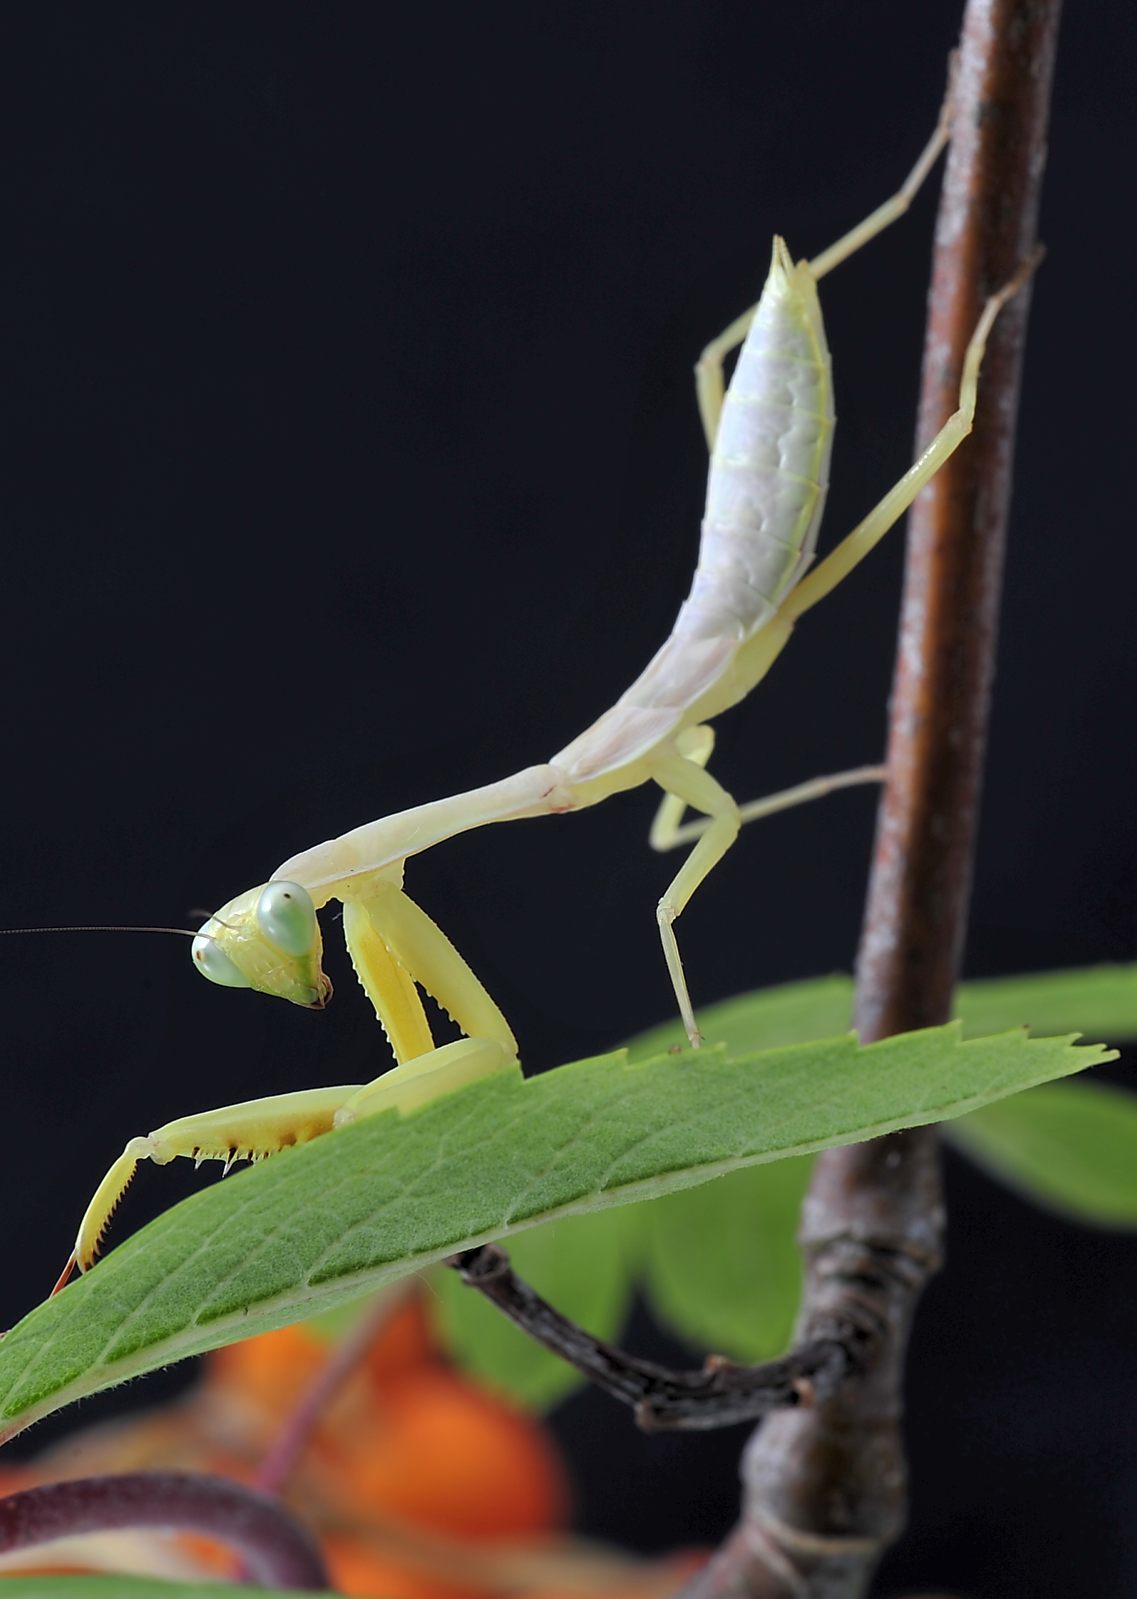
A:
x: 769, y: 437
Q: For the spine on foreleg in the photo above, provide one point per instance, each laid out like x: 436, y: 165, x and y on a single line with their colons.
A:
x: 769, y: 466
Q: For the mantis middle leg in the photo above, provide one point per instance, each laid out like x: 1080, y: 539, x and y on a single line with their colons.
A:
x: 669, y: 831
x: 686, y: 784
x: 684, y: 780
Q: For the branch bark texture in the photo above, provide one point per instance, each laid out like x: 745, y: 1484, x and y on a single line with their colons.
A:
x: 824, y: 1488
x: 719, y: 1394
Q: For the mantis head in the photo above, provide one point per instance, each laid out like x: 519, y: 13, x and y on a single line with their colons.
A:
x: 267, y: 939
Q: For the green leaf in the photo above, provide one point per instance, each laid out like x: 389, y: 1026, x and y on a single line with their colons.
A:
x: 1101, y: 1000
x: 1070, y: 1147
x: 792, y: 1013
x: 323, y: 1223
x: 15, y: 1585
x: 581, y: 1264
x: 1092, y: 999
x: 723, y: 1269
x: 720, y: 1262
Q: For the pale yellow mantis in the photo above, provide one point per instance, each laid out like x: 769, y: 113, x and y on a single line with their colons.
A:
x: 769, y: 436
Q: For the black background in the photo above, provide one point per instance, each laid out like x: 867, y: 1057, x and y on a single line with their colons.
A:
x: 352, y: 460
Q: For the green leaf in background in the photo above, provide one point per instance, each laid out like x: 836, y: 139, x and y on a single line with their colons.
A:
x: 721, y: 1262
x: 583, y: 1265
x: 1097, y: 1000
x: 324, y: 1223
x: 792, y: 1013
x: 1101, y: 1000
x: 1070, y: 1147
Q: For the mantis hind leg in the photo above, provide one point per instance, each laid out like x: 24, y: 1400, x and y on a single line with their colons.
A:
x: 685, y: 783
x: 853, y: 548
x: 394, y: 945
x: 709, y: 383
x: 897, y: 204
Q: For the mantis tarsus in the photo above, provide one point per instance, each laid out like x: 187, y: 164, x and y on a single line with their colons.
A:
x: 769, y: 436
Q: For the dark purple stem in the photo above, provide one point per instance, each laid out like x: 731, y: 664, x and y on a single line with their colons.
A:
x: 276, y: 1550
x: 298, y: 1427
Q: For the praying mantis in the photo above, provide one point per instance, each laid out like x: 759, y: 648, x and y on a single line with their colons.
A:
x: 769, y: 435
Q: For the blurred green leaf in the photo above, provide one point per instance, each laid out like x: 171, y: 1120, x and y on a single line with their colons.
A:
x: 792, y: 1013
x: 1099, y: 1000
x: 1070, y: 1147
x: 1096, y: 1000
x: 721, y: 1262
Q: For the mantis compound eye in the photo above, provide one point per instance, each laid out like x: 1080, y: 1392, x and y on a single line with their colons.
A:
x: 212, y: 962
x: 287, y: 918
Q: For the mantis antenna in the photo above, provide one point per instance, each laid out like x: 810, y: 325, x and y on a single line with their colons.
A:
x: 97, y: 927
x: 208, y: 954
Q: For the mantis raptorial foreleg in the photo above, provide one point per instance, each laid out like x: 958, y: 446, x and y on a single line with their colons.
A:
x: 387, y: 919
x: 709, y: 385
x: 394, y: 946
x: 387, y: 983
x: 248, y: 1131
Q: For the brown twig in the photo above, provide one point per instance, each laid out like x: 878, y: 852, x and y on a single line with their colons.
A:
x: 825, y: 1489
x: 277, y: 1551
x: 719, y: 1394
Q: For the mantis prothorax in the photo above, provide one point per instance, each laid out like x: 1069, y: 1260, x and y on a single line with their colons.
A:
x: 769, y: 436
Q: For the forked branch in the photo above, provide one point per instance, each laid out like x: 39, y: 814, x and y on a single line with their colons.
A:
x: 717, y: 1394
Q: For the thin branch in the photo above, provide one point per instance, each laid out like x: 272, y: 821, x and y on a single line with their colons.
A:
x: 343, y: 1358
x: 825, y: 1490
x: 719, y: 1394
x: 277, y: 1550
